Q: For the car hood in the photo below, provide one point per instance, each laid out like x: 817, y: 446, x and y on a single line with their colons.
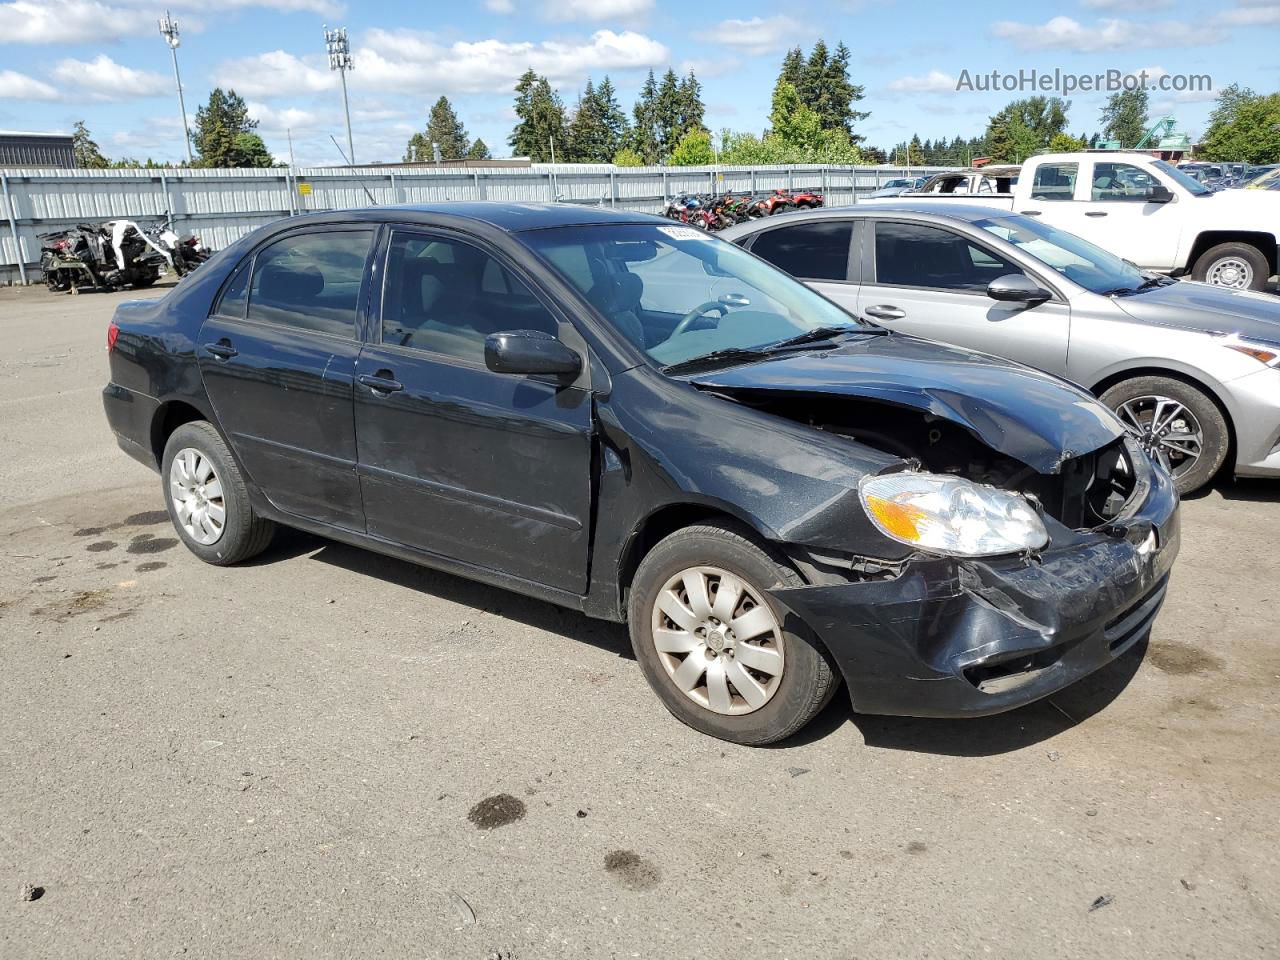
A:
x: 1188, y: 305
x: 1023, y: 413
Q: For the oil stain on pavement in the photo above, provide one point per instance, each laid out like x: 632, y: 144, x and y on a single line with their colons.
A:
x: 631, y: 870
x: 145, y: 543
x: 101, y: 546
x: 147, y: 519
x: 496, y: 811
x: 1180, y: 659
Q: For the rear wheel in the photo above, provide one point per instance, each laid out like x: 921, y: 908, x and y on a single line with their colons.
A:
x: 712, y: 644
x: 207, y: 498
x: 1237, y: 266
x: 1176, y: 423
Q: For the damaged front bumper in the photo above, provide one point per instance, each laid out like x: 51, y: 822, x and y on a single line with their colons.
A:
x: 970, y: 637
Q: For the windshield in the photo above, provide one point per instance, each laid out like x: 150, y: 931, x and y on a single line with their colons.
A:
x: 1076, y: 259
x: 1180, y: 177
x: 677, y: 293
x: 899, y: 183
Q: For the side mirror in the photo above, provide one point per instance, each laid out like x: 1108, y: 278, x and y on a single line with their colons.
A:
x: 529, y: 352
x: 1017, y: 288
x: 1160, y: 194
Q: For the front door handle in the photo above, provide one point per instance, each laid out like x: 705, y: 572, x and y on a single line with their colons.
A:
x: 1095, y: 213
x: 222, y: 350
x: 381, y: 383
x: 885, y: 311
x: 1030, y: 213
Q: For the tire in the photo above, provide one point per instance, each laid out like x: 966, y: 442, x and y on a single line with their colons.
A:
x: 805, y: 681
x: 1237, y: 266
x: 1215, y: 436
x: 243, y: 534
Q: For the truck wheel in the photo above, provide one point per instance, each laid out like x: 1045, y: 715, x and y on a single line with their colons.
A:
x: 1176, y: 423
x: 712, y: 645
x: 1235, y: 265
x: 207, y: 498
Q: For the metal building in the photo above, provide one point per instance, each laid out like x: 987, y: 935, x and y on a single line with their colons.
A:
x: 19, y: 149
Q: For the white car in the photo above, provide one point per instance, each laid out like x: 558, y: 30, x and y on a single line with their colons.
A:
x: 1139, y: 208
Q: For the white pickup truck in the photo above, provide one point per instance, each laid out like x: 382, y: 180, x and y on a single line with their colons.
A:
x: 1134, y: 205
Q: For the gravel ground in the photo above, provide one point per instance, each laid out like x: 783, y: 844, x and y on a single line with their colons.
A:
x: 331, y: 753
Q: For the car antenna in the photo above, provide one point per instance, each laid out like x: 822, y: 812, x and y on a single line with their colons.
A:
x: 342, y: 153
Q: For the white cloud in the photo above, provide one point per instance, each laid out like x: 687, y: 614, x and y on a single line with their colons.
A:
x: 21, y: 87
x: 405, y: 60
x: 500, y: 6
x: 595, y: 9
x: 272, y: 121
x: 69, y: 21
x: 273, y: 74
x: 1063, y: 33
x: 757, y: 35
x: 102, y: 79
x: 935, y: 81
x: 1252, y: 13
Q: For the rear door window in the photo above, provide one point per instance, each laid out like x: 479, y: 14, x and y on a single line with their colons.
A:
x: 915, y: 255
x: 818, y: 250
x: 1055, y: 181
x: 311, y: 281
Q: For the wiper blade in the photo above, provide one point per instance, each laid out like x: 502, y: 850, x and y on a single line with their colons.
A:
x: 818, y: 334
x: 728, y: 355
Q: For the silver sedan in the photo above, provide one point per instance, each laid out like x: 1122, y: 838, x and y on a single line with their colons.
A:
x: 1193, y: 370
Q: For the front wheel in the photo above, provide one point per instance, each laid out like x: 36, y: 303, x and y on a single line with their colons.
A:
x: 1237, y: 266
x: 207, y: 498
x: 712, y: 644
x: 1175, y: 423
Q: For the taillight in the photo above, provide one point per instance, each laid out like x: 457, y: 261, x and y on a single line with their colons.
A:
x: 113, y: 332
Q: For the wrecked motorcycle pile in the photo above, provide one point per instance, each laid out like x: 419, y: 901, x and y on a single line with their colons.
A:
x: 116, y: 254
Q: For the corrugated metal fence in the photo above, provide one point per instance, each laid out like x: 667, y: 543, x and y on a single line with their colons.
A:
x: 223, y: 205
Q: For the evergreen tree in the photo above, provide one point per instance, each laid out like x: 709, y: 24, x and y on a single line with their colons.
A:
x: 667, y: 114
x: 418, y: 150
x: 479, y: 150
x: 224, y: 134
x: 822, y: 81
x: 645, y: 140
x: 1124, y: 118
x: 587, y: 133
x: 612, y: 119
x: 540, y: 116
x: 445, y: 129
x: 86, y: 152
x: 691, y: 108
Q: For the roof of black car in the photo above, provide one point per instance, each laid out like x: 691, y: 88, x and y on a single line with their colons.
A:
x: 515, y: 217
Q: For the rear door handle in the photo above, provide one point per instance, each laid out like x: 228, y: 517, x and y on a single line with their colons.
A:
x: 1095, y: 213
x: 1030, y: 213
x: 381, y: 383
x: 885, y: 311
x: 222, y: 350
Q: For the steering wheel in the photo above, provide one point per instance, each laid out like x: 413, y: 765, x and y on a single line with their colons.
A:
x: 687, y: 320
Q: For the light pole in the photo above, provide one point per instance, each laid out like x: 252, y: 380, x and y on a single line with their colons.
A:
x: 335, y: 42
x: 169, y: 30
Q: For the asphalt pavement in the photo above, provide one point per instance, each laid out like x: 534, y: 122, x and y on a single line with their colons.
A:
x: 327, y: 753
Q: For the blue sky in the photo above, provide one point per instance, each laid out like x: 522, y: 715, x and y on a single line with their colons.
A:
x: 104, y: 61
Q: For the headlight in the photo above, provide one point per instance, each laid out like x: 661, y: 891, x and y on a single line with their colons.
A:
x: 951, y: 515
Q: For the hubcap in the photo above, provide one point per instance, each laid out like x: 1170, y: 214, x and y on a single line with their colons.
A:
x: 718, y: 640
x: 1231, y: 272
x: 197, y: 496
x: 1166, y: 429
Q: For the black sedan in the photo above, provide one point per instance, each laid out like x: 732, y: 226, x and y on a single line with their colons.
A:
x: 635, y: 420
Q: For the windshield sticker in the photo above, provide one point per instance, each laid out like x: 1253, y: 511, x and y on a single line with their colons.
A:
x: 682, y: 233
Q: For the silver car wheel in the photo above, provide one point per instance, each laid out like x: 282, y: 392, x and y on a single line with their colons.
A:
x: 1166, y: 429
x: 1233, y: 272
x: 196, y: 492
x: 718, y: 640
